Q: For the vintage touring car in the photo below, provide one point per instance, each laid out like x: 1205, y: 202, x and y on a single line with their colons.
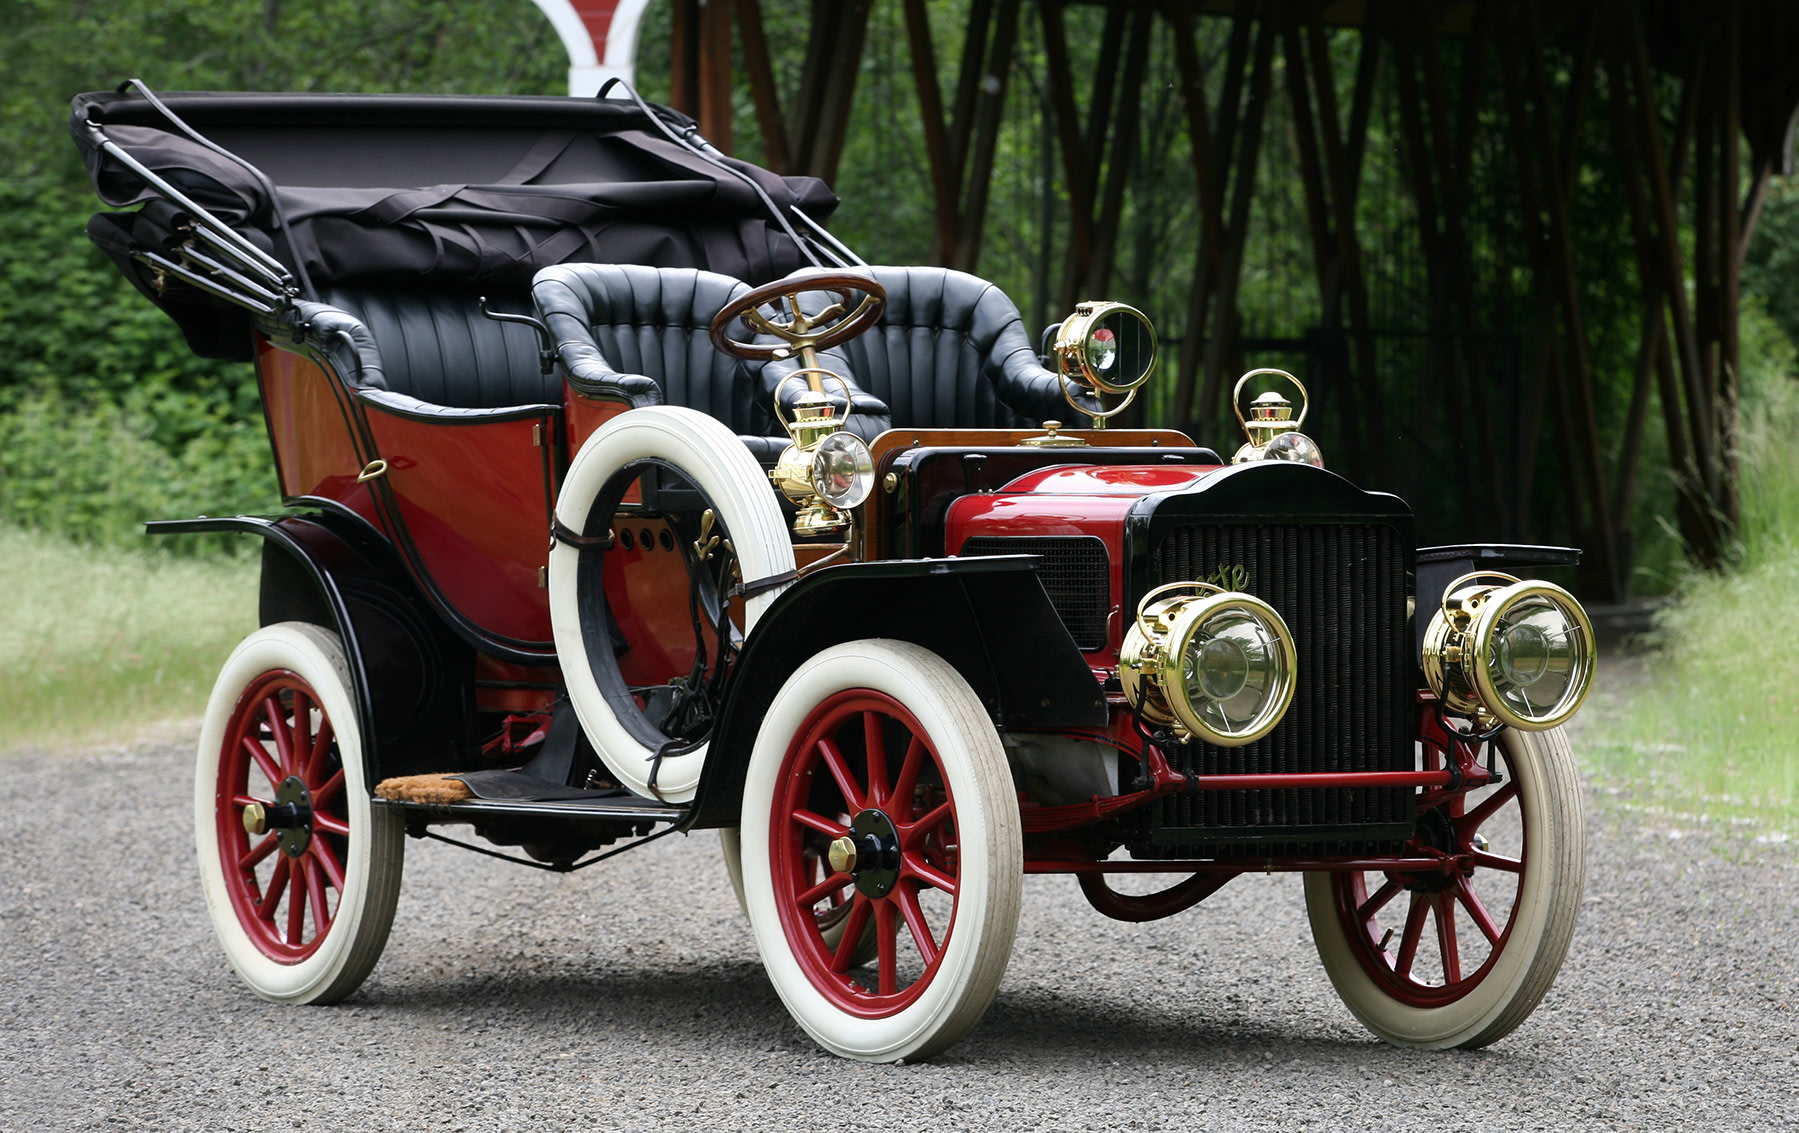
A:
x: 622, y: 499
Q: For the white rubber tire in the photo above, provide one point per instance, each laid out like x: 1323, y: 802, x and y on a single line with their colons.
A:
x: 978, y: 944
x: 711, y: 456
x: 376, y: 844
x: 1546, y: 907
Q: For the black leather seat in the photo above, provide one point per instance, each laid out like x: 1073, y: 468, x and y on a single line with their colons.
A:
x: 950, y: 351
x: 437, y: 347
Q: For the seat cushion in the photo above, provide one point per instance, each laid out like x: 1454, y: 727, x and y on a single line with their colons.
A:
x: 618, y: 320
x: 438, y: 347
x: 950, y: 351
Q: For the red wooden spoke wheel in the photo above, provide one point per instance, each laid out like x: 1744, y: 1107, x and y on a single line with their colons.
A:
x: 1459, y: 955
x: 301, y: 872
x: 865, y: 756
x: 877, y: 756
x: 280, y: 762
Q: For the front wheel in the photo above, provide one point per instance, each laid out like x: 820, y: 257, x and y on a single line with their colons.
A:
x: 1437, y: 960
x: 301, y: 893
x: 881, y: 748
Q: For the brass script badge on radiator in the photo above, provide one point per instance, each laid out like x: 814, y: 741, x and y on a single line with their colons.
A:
x: 1227, y: 576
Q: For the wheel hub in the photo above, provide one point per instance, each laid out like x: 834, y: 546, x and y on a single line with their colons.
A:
x: 1434, y: 831
x: 870, y: 853
x: 289, y: 816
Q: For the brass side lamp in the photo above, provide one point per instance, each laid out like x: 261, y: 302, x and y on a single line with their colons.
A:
x: 1271, y: 427
x: 1104, y: 348
x: 824, y: 470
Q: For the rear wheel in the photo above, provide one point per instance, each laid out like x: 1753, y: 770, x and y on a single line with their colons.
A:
x: 882, y: 749
x: 302, y: 892
x: 1460, y: 959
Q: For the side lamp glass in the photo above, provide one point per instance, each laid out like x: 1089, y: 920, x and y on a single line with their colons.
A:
x: 1216, y: 664
x: 1272, y: 427
x: 1104, y: 348
x: 843, y: 470
x: 1515, y: 652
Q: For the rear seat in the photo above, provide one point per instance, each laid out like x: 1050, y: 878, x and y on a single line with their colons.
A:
x: 437, y: 347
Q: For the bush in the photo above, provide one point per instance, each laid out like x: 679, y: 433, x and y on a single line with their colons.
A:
x: 106, y: 418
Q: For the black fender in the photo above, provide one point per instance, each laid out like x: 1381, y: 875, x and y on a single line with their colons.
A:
x: 413, y: 679
x: 988, y: 616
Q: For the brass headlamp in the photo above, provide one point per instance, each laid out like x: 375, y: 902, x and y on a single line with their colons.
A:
x: 1508, y: 651
x: 1272, y: 428
x: 1217, y: 664
x: 825, y: 470
x: 1104, y: 348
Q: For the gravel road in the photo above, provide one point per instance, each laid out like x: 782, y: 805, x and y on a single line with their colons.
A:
x: 629, y: 997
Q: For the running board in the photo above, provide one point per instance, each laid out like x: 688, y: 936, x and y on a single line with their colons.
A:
x: 468, y: 810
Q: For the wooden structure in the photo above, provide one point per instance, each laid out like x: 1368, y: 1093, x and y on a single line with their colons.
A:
x: 1693, y: 106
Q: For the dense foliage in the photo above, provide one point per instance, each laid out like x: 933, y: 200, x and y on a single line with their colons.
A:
x: 106, y: 418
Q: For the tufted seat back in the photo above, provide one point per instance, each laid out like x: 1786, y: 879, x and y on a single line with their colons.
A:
x: 438, y: 347
x: 950, y: 351
x: 617, y: 322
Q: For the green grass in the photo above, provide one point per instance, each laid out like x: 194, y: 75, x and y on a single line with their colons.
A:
x: 1714, y: 731
x: 98, y: 643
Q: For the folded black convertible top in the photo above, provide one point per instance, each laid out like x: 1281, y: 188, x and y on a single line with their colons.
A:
x: 435, y: 190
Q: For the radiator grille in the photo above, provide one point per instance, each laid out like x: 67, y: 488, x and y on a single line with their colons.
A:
x: 1075, y: 571
x: 1341, y: 588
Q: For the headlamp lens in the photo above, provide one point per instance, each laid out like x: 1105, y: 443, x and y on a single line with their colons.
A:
x: 843, y: 470
x: 1534, y: 656
x: 1232, y: 669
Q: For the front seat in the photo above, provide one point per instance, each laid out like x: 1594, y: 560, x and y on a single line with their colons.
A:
x: 643, y: 334
x: 950, y: 351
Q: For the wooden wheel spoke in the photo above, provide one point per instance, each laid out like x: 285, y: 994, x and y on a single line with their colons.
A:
x: 296, y: 906
x: 911, y: 835
x: 1382, y: 897
x: 889, y: 953
x: 258, y: 852
x: 1408, y: 941
x: 329, y: 824
x: 271, y: 897
x: 815, y: 821
x: 1477, y: 910
x: 830, y: 886
x: 1496, y: 861
x: 282, y: 735
x: 1467, y: 824
x: 913, y: 865
x: 315, y: 893
x: 875, y: 744
x: 1451, y: 955
x: 840, y: 771
x: 320, y: 758
x: 853, y: 927
x: 907, y: 896
x: 910, y: 766
x: 302, y: 734
x: 329, y: 789
x: 328, y: 861
x: 264, y: 761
